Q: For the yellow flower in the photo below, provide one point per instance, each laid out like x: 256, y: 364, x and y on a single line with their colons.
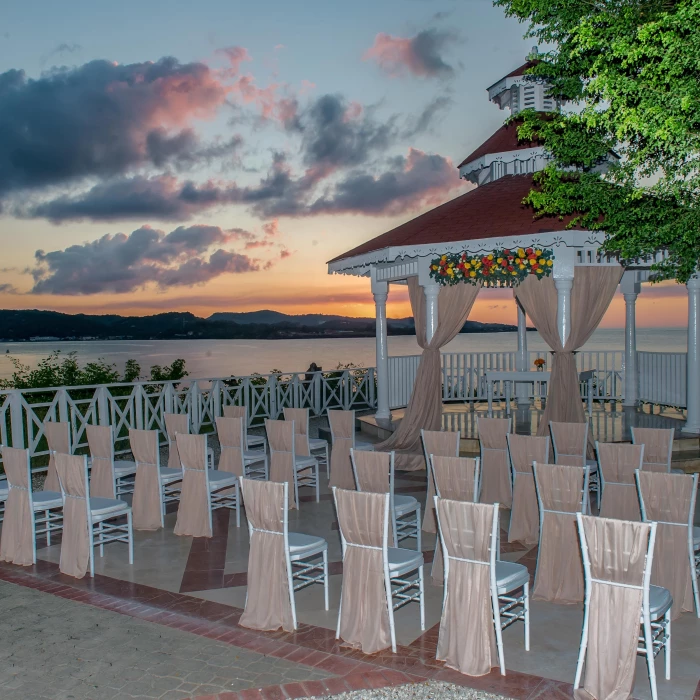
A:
x: 538, y: 253
x: 490, y: 256
x: 433, y: 267
x: 450, y: 272
x: 533, y: 262
x: 549, y: 263
x: 499, y: 260
x: 521, y: 253
x: 467, y: 264
x: 473, y: 261
x: 443, y: 258
x: 472, y: 274
x: 514, y: 273
x: 541, y: 261
x: 522, y: 267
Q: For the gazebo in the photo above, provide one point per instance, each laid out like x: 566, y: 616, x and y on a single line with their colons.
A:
x: 487, y: 237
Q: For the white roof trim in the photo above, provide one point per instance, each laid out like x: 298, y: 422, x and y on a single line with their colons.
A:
x: 360, y: 265
x: 502, y: 157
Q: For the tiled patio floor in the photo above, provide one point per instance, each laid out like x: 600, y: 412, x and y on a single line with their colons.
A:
x: 198, y: 586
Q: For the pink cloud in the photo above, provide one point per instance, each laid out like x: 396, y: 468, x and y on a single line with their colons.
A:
x: 281, y: 109
x: 235, y: 55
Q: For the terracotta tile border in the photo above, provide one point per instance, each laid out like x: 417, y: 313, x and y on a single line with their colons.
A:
x: 310, y: 646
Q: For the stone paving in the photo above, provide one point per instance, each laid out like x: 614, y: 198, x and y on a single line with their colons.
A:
x: 57, y: 649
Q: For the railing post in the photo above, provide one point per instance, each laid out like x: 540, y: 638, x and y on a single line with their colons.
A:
x: 138, y: 406
x: 272, y: 388
x: 371, y: 393
x: 62, y: 403
x: 195, y: 396
x: 216, y: 393
x: 168, y: 399
x: 318, y: 385
x: 103, y: 417
x: 16, y: 422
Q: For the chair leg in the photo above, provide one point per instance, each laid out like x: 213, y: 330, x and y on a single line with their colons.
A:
x: 325, y: 577
x: 649, y: 649
x: 419, y: 525
x: 296, y: 487
x: 421, y: 591
x: 582, y: 647
x: 499, y: 631
x: 318, y: 495
x: 390, y: 605
x: 526, y: 605
x: 92, y: 550
x: 328, y: 463
x: 130, y: 528
x: 100, y: 535
x: 267, y: 467
x: 238, y: 504
x: 694, y: 579
x: 48, y: 528
x: 667, y: 645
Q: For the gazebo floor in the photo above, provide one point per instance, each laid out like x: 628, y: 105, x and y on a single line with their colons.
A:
x: 199, y: 586
x: 609, y: 422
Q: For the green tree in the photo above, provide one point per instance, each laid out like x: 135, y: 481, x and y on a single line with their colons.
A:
x: 632, y: 70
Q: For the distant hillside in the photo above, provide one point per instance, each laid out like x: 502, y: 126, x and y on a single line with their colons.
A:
x: 51, y: 325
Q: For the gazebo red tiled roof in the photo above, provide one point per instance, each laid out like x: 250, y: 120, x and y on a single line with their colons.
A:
x: 494, y: 210
x: 503, y: 140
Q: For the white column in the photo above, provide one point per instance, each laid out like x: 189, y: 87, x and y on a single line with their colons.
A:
x: 380, y: 291
x: 563, y: 286
x: 521, y: 357
x: 630, y: 290
x: 692, y: 424
x: 431, y: 309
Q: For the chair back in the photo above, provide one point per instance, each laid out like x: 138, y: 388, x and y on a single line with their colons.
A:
x: 523, y: 450
x: 373, y: 470
x: 194, y: 509
x: 300, y: 418
x: 57, y: 434
x: 617, y: 463
x: 100, y: 439
x: 269, y: 603
x: 658, y: 447
x: 496, y: 478
x: 147, y: 503
x: 669, y: 500
x: 493, y: 432
x: 282, y: 441
x: 570, y: 442
x: 456, y: 478
x: 342, y: 424
x: 363, y: 519
x: 231, y: 411
x: 175, y: 423
x: 75, y: 545
x: 561, y: 489
x: 17, y: 542
x: 231, y: 432
x: 281, y: 436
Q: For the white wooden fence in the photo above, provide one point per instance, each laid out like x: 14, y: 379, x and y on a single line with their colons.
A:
x: 662, y: 378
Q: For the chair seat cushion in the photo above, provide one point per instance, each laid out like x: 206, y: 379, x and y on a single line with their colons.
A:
x: 47, y: 499
x: 100, y: 506
x: 301, y: 545
x: 404, y: 504
x: 169, y: 475
x: 660, y: 601
x: 124, y: 468
x: 219, y: 479
x: 365, y: 446
x: 510, y: 576
x: 302, y: 461
x: 255, y: 439
x: 403, y: 560
x: 317, y: 444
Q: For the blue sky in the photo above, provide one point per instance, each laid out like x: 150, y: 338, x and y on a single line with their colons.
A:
x: 326, y: 101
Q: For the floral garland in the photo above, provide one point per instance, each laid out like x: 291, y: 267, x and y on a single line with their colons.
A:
x: 501, y: 268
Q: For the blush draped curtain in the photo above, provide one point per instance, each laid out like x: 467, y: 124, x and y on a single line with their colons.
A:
x: 194, y: 509
x: 146, y: 504
x: 591, y: 294
x: 17, y: 539
x: 343, y: 430
x: 424, y: 410
x: 75, y: 543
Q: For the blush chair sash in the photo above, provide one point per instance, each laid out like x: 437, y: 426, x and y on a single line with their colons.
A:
x: 559, y: 574
x: 232, y: 440
x: 456, y: 479
x: 17, y: 541
x: 300, y: 417
x: 617, y: 463
x: 268, y: 604
x: 57, y: 436
x: 101, y: 444
x: 175, y: 423
x: 342, y: 425
x: 658, y: 446
x: 282, y: 441
x: 496, y: 484
x: 363, y: 518
x: 570, y: 442
x: 669, y: 500
x: 467, y: 534
x: 147, y: 503
x: 75, y: 544
x: 442, y: 443
x: 617, y: 551
x: 524, y: 520
x: 231, y: 411
x: 194, y: 509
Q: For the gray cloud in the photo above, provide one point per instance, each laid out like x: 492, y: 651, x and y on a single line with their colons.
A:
x: 7, y: 288
x: 100, y: 119
x: 60, y: 50
x: 123, y: 263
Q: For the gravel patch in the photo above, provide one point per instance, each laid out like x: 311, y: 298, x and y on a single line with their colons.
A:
x: 420, y: 691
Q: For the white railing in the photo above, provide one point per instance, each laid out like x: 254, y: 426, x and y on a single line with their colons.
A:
x: 464, y: 374
x: 142, y: 405
x: 662, y: 378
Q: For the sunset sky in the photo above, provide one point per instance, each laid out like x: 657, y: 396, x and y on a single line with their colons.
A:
x: 213, y: 156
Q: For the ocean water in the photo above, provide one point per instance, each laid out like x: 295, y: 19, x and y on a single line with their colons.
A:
x: 219, y: 358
